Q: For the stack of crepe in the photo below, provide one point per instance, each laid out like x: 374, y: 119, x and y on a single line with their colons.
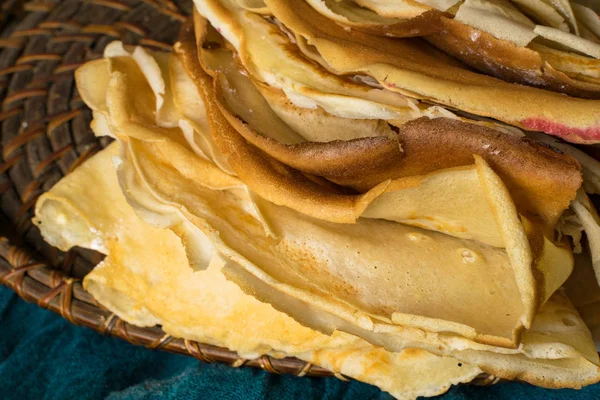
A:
x: 300, y: 179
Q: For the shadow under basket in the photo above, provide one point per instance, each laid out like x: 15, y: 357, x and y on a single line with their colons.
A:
x: 45, y: 134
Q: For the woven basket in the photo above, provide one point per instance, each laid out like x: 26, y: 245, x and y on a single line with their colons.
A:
x: 45, y: 134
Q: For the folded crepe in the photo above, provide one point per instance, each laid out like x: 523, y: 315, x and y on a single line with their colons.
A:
x: 549, y: 44
x: 146, y: 280
x: 264, y: 278
x: 411, y: 68
x: 353, y: 16
x: 542, y: 182
x: 396, y: 201
x: 303, y: 266
x: 135, y: 283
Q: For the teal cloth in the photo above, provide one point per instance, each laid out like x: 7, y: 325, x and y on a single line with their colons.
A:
x: 44, y: 357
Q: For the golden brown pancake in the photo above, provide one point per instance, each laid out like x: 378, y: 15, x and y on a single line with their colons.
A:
x: 551, y: 358
x: 486, y: 190
x: 541, y: 181
x: 509, y: 62
x: 146, y: 279
x: 406, y: 66
x: 498, y: 55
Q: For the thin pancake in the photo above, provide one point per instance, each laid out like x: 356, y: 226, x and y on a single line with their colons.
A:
x: 189, y: 178
x: 553, y: 354
x: 542, y: 182
x: 134, y: 283
x: 406, y: 67
x: 525, y: 282
x: 505, y: 60
x: 482, y: 36
x: 270, y: 59
x: 359, y: 162
x: 558, y: 344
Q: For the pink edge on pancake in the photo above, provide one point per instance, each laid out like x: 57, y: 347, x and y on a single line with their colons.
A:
x: 576, y: 135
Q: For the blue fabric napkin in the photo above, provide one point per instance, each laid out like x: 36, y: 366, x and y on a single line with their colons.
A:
x: 42, y: 356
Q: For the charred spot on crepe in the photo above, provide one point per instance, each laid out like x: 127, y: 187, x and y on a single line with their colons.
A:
x: 549, y: 146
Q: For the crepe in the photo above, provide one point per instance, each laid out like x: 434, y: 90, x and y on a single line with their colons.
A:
x: 565, y: 358
x: 142, y: 294
x: 361, y: 161
x: 145, y: 266
x: 408, y: 67
x: 397, y: 204
x: 500, y: 38
x: 405, y: 9
x: 590, y: 222
x: 353, y: 16
x: 534, y: 65
x: 169, y: 193
x: 541, y: 181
